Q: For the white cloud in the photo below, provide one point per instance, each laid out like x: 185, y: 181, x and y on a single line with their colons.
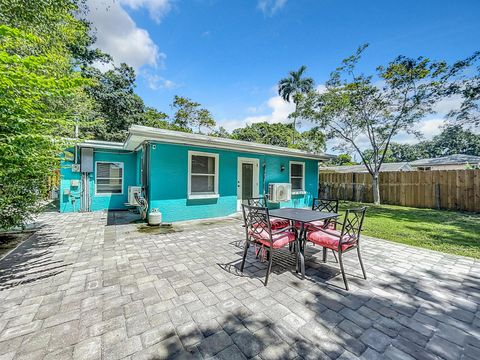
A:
x: 118, y: 35
x: 270, y: 7
x: 156, y: 82
x: 156, y: 8
x: 254, y: 109
x: 321, y: 88
x: 428, y: 128
x: 444, y: 106
x: 278, y: 113
x: 280, y: 110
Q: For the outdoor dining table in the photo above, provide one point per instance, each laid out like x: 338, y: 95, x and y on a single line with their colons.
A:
x: 302, y: 216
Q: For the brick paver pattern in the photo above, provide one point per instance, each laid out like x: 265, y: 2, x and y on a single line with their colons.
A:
x: 86, y: 287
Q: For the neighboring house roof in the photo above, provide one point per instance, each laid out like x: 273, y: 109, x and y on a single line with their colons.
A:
x: 138, y: 134
x: 399, y: 166
x: 456, y: 159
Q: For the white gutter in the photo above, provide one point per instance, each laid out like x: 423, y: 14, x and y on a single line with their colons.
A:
x: 142, y: 133
x: 98, y: 144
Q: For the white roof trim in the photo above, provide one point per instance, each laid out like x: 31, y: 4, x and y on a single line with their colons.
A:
x: 99, y: 144
x: 138, y: 134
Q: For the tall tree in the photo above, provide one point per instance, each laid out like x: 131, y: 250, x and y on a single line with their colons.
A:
x: 221, y: 132
x: 313, y: 140
x: 116, y: 104
x: 354, y: 106
x: 40, y: 88
x: 407, y: 152
x: 454, y: 139
x: 189, y: 115
x: 153, y: 118
x: 467, y: 86
x: 292, y: 87
x: 342, y: 160
x: 264, y: 133
x: 281, y: 135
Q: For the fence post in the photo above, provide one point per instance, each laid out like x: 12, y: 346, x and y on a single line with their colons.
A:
x: 437, y: 195
x: 354, y: 187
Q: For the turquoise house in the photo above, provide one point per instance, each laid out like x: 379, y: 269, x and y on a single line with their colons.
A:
x: 185, y: 176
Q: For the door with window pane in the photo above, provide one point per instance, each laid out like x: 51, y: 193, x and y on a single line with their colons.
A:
x: 247, y: 182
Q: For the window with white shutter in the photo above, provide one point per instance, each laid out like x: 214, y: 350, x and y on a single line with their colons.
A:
x: 202, y: 175
x: 108, y: 178
x: 297, y: 176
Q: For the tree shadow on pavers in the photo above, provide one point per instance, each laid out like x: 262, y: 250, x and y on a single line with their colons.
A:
x: 441, y: 310
x: 244, y: 335
x: 430, y: 287
x: 30, y: 262
x: 374, y: 319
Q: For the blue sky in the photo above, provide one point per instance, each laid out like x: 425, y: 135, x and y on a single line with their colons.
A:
x: 228, y: 55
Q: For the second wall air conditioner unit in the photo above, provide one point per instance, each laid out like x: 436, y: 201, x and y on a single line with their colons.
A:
x: 131, y: 194
x: 279, y: 192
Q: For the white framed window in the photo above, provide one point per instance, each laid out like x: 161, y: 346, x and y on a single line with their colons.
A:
x: 108, y: 178
x: 297, y: 176
x: 202, y: 175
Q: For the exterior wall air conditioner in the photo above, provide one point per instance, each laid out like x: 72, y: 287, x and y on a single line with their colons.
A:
x: 279, y: 192
x: 131, y: 194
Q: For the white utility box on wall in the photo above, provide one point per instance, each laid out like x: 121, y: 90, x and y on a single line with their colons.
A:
x: 86, y: 160
x: 132, y: 190
x: 279, y: 192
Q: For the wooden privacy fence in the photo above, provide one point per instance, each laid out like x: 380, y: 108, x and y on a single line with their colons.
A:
x: 441, y: 189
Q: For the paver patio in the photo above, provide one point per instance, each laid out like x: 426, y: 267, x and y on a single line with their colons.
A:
x: 86, y: 287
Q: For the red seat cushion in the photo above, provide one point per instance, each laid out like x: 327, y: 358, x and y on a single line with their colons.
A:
x: 318, y: 224
x: 277, y: 223
x: 279, y: 240
x: 329, y: 240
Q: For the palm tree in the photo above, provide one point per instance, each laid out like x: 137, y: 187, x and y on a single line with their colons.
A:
x: 291, y: 87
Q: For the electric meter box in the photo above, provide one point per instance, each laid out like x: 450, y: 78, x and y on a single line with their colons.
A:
x: 86, y: 161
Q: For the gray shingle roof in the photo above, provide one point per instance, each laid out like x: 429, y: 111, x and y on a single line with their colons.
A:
x: 448, y: 160
x: 399, y: 166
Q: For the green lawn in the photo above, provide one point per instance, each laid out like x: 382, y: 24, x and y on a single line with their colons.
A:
x: 447, y: 231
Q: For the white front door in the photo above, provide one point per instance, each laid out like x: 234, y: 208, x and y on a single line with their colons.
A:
x: 247, y: 180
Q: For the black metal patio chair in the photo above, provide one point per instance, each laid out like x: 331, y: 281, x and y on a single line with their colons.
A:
x: 341, y: 241
x: 258, y: 231
x: 276, y: 223
x: 325, y: 205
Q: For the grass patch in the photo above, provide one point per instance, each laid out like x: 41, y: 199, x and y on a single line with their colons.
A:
x: 441, y: 230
